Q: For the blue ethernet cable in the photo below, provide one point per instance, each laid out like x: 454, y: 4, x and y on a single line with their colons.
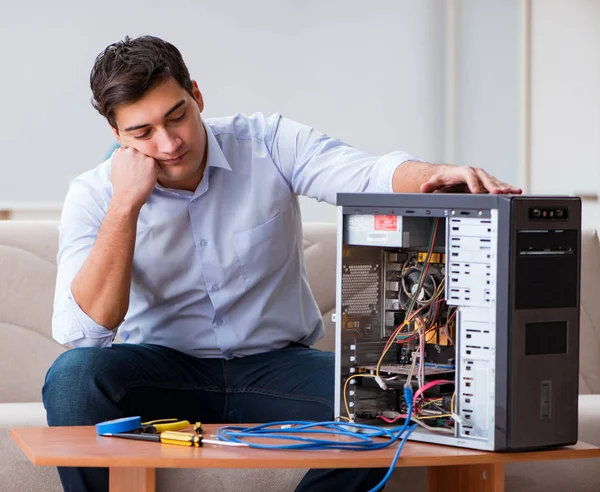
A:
x: 293, y: 430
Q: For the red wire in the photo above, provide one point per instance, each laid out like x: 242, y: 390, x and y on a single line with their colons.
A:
x: 391, y: 421
x: 429, y: 385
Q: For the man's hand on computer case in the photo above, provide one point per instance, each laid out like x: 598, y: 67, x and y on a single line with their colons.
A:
x: 448, y: 178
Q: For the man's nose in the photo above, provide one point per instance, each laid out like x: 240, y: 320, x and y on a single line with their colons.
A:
x: 168, y: 143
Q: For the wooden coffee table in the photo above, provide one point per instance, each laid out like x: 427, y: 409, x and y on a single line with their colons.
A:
x: 133, y: 463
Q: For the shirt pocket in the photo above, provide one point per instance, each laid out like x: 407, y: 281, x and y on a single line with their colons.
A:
x: 264, y: 249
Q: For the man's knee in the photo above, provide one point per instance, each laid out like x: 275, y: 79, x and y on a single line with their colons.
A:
x: 71, y: 390
x: 74, y: 364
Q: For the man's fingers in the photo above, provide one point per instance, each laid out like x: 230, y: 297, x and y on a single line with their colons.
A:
x: 472, y: 180
x: 492, y: 185
x: 433, y: 184
x: 453, y: 180
x: 475, y: 180
x: 495, y: 186
x: 513, y: 190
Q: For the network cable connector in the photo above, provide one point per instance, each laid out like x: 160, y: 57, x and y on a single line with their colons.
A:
x: 473, y: 302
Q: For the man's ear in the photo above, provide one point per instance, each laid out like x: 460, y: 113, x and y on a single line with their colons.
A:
x: 197, y: 96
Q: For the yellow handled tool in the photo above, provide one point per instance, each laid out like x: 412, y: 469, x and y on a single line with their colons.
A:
x: 168, y: 437
x: 164, y: 425
x: 181, y: 438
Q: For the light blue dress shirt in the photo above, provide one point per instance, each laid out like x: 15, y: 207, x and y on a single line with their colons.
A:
x: 219, y: 272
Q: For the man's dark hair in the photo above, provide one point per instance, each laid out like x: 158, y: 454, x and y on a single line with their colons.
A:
x: 126, y: 70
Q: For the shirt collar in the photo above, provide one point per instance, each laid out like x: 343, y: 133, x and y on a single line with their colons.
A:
x: 215, y: 157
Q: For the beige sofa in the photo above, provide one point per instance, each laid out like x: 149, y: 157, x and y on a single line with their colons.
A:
x: 27, y: 272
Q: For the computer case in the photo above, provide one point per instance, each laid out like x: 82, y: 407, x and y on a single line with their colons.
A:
x: 476, y: 298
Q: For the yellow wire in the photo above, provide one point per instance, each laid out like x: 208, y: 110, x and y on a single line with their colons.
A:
x: 435, y: 416
x: 389, y: 346
x: 432, y: 401
x: 346, y: 389
x: 452, y: 402
x: 393, y: 335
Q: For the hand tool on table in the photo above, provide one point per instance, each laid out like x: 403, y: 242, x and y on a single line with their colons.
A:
x: 158, y: 426
x: 166, y: 437
x: 135, y: 424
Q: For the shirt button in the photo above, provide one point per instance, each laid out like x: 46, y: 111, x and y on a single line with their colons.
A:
x: 215, y: 288
x: 203, y: 243
x: 219, y: 322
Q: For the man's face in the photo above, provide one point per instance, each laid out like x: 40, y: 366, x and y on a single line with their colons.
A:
x: 166, y: 125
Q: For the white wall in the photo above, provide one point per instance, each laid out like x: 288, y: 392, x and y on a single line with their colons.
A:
x: 488, y: 82
x: 371, y: 75
x: 565, y: 123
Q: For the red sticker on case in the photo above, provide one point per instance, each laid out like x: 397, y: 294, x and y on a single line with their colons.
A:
x: 386, y: 223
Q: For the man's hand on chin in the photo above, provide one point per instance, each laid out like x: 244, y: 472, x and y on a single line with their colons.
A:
x: 465, y: 179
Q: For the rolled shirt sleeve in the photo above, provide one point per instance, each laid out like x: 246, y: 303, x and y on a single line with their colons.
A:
x: 319, y: 166
x: 82, y: 215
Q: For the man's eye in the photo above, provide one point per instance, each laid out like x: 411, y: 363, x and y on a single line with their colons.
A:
x: 180, y: 117
x: 143, y: 135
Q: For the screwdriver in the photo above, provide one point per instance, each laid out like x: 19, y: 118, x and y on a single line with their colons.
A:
x: 167, y: 437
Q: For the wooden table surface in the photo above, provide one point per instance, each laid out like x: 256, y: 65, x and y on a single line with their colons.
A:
x: 80, y: 446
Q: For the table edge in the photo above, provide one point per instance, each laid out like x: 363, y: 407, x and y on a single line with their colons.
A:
x: 280, y: 460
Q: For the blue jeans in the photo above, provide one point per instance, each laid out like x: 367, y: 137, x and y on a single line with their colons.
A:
x: 85, y: 386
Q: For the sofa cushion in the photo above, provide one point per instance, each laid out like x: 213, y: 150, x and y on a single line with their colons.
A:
x: 28, y: 266
x: 24, y: 363
x: 39, y: 238
x: 320, y: 263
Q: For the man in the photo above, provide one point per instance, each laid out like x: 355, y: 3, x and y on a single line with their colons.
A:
x: 188, y: 242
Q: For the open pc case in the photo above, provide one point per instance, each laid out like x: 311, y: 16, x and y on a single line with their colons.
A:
x: 471, y: 299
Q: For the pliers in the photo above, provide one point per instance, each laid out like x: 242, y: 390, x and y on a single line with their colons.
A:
x: 162, y: 425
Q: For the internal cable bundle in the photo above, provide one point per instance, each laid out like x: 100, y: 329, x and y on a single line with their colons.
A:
x: 422, y: 323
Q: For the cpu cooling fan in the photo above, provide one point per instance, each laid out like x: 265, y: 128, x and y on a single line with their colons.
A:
x: 410, y: 283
